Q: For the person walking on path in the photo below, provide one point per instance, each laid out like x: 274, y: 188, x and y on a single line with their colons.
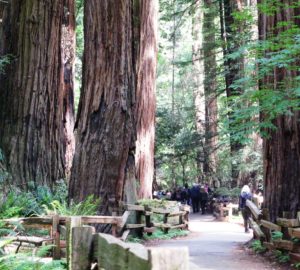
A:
x: 195, y: 196
x: 203, y: 199
x: 245, y: 195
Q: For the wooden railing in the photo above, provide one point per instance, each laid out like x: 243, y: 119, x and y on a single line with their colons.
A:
x: 64, y: 232
x: 263, y: 229
x: 147, y: 212
x: 111, y: 253
x: 223, y: 211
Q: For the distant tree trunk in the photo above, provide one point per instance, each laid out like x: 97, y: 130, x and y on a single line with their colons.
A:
x: 198, y: 70
x: 36, y: 109
x: 105, y: 125
x: 2, y: 6
x: 233, y: 69
x: 145, y: 97
x: 210, y: 89
x: 68, y: 58
x: 282, y: 148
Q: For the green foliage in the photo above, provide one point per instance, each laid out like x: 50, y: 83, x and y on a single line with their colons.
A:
x: 281, y: 256
x: 86, y: 207
x: 258, y: 247
x: 233, y: 193
x: 24, y: 261
x: 27, y: 203
x: 277, y: 235
x: 173, y: 233
x: 4, y: 61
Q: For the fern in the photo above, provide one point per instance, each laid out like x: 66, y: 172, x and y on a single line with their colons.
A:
x: 87, y: 207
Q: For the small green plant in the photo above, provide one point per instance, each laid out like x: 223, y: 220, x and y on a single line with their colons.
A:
x: 296, y: 265
x: 173, y: 233
x: 276, y: 235
x: 86, y: 207
x: 281, y: 256
x: 258, y: 247
x: 133, y: 239
x: 4, y: 61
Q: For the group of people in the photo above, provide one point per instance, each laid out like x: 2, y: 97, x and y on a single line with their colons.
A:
x: 197, y: 196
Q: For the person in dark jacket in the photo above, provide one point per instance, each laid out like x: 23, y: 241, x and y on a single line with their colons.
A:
x: 203, y: 199
x: 195, y: 196
x: 245, y: 195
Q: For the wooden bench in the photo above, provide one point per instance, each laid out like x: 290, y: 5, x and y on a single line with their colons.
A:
x: 36, y: 241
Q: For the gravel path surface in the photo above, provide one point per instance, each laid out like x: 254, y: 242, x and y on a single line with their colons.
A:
x: 217, y: 245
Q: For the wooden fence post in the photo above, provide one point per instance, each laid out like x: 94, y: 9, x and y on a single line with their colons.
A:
x: 81, y: 250
x: 71, y: 223
x: 56, y: 238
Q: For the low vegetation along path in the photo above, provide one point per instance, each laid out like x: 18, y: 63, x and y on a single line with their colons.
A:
x: 217, y: 245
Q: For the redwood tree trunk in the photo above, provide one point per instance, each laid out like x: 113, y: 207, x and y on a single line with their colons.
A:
x: 282, y: 148
x: 35, y: 103
x: 233, y: 70
x: 105, y: 126
x: 145, y: 97
x: 199, y: 96
x: 210, y: 86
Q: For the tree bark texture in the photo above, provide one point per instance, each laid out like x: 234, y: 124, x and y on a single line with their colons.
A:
x: 199, y: 95
x: 282, y: 149
x: 145, y: 97
x: 105, y: 125
x: 68, y: 58
x: 233, y: 70
x: 210, y: 89
x: 36, y: 99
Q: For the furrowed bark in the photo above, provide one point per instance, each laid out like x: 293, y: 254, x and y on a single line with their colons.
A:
x: 282, y: 148
x: 105, y: 126
x: 34, y: 105
x: 145, y: 97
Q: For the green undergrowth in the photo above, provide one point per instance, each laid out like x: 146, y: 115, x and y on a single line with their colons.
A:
x: 277, y: 235
x: 41, y: 200
x: 257, y: 247
x: 158, y: 235
x: 25, y: 261
x: 86, y: 207
x: 281, y: 256
x: 17, y: 203
x: 173, y: 233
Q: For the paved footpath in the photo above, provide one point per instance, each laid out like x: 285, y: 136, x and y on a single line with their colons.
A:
x: 217, y: 245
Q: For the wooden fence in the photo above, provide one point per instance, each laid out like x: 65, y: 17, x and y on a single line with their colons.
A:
x: 263, y: 229
x: 77, y: 236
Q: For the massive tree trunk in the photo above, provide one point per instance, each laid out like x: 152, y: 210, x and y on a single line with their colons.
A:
x: 145, y: 97
x: 105, y: 126
x: 68, y: 57
x: 234, y: 67
x: 204, y: 61
x: 210, y: 86
x: 282, y: 148
x: 36, y: 103
x: 198, y: 70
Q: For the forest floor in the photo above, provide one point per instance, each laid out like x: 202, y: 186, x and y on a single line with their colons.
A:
x: 217, y: 245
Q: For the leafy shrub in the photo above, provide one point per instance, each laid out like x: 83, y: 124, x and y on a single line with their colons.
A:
x: 173, y: 233
x: 24, y: 261
x: 258, y: 247
x: 276, y: 235
x: 86, y: 207
x: 31, y: 203
x: 282, y: 256
x: 223, y: 191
